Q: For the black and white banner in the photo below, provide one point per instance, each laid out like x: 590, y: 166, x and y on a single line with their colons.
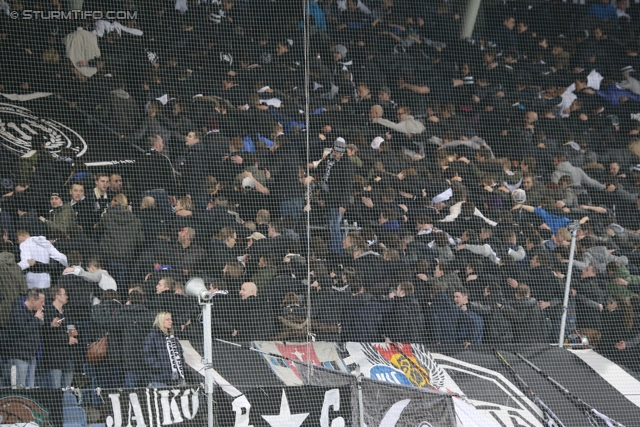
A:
x: 488, y: 393
x: 151, y: 407
x: 51, y: 124
x: 390, y: 405
x: 304, y: 406
x: 23, y: 130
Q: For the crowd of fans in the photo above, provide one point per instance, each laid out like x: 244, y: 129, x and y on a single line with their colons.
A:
x: 421, y: 189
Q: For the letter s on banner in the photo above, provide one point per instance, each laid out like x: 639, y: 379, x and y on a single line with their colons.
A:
x: 240, y: 403
x: 331, y: 399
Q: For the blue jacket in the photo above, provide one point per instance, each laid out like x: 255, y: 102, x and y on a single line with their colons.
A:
x: 603, y: 12
x: 553, y: 221
x: 157, y: 357
x: 444, y: 316
x: 451, y: 325
x: 470, y: 327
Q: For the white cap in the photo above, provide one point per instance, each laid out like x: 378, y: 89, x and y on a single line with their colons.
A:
x: 377, y: 142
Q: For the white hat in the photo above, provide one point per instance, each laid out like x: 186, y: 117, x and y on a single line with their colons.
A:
x: 377, y: 142
x: 248, y: 183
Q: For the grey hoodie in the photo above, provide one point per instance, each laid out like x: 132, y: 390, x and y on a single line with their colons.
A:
x: 578, y: 176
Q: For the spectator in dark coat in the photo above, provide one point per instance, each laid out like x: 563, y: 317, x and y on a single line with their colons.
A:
x: 254, y: 318
x: 497, y: 328
x: 80, y: 292
x: 164, y: 354
x: 294, y: 326
x: 23, y: 335
x: 223, y: 306
x: 59, y: 342
x: 282, y: 284
x: 369, y: 267
x: 129, y: 327
x: 156, y: 175
x: 151, y: 219
x: 526, y: 317
x: 98, y: 199
x: 188, y: 255
x: 108, y: 372
x: 590, y: 303
x: 121, y: 235
x: 166, y: 299
x: 404, y: 321
x: 193, y: 170
x: 277, y: 243
x: 12, y: 282
x: 222, y: 250
x: 470, y: 326
x: 336, y: 182
x: 617, y: 327
x: 362, y: 317
x: 82, y: 206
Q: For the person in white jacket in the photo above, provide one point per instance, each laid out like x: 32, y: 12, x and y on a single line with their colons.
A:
x: 37, y: 248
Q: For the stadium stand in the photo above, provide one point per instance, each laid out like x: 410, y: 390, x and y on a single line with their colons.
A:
x: 394, y: 185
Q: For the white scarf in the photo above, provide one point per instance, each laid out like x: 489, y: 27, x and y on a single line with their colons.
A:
x: 174, y: 358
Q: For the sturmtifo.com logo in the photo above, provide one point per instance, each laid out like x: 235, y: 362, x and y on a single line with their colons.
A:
x: 21, y: 131
x: 62, y: 15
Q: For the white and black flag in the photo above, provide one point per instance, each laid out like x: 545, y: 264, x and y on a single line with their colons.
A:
x: 391, y: 405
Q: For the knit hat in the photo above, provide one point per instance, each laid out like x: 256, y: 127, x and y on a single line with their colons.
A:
x: 340, y: 145
x: 341, y: 49
x: 248, y: 183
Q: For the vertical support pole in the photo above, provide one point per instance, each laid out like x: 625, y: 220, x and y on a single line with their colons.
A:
x: 573, y: 228
x: 470, y: 16
x: 360, y: 401
x: 208, y: 359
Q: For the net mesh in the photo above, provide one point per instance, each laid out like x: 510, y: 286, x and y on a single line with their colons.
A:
x: 332, y: 212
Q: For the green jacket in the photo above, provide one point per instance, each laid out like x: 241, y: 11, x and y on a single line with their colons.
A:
x: 62, y: 219
x: 625, y: 291
x: 12, y: 284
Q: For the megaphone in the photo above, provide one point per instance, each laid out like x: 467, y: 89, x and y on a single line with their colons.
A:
x: 195, y: 287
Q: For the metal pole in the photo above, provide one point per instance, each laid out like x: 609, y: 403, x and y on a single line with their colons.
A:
x: 208, y: 359
x: 360, y: 401
x: 573, y: 228
x: 470, y: 17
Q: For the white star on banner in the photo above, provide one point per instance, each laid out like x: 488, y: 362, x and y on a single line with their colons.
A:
x: 285, y: 418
